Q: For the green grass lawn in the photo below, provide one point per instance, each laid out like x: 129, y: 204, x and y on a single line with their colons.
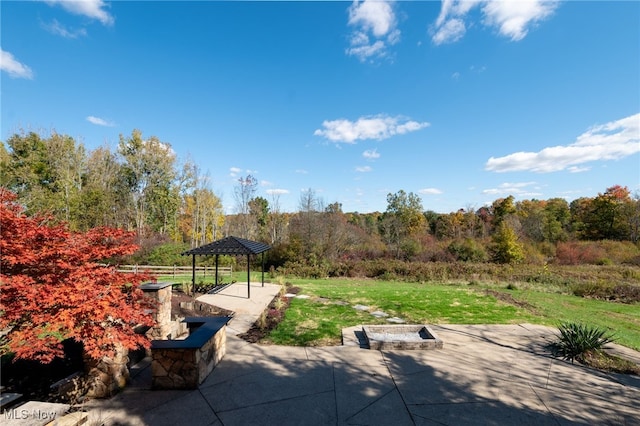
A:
x: 320, y: 319
x: 622, y: 319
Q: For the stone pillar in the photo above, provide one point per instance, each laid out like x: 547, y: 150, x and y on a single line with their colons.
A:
x: 161, y: 292
x: 107, y: 376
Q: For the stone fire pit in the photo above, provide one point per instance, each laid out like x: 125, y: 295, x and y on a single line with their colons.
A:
x: 384, y: 337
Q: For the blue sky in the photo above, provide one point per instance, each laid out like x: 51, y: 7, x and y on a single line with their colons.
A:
x: 461, y: 103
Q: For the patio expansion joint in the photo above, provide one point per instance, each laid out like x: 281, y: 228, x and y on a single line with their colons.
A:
x: 335, y: 394
x: 434, y: 421
x: 476, y: 402
x: 274, y: 401
x: 544, y: 404
x: 211, y: 407
x: 395, y: 387
x: 375, y: 401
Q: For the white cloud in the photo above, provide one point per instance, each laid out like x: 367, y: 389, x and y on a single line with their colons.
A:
x: 375, y: 29
x: 94, y: 9
x: 575, y: 169
x: 516, y: 189
x: 374, y: 16
x: 371, y: 154
x: 450, y: 32
x: 100, y: 121
x: 233, y: 171
x: 610, y: 141
x: 57, y: 28
x: 376, y: 127
x: 15, y: 69
x: 363, y: 169
x: 302, y: 171
x: 366, y: 51
x: 277, y: 191
x: 430, y: 191
x: 511, y: 19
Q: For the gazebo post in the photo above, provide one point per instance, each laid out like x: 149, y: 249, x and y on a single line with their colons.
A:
x: 216, y: 283
x: 262, y: 269
x: 193, y: 275
x: 248, y: 277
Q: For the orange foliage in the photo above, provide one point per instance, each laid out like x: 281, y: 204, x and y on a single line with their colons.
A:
x: 52, y: 287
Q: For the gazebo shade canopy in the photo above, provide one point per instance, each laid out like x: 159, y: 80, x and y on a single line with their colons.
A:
x: 229, y: 245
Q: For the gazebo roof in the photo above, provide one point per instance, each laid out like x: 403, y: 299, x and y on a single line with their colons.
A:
x: 229, y: 245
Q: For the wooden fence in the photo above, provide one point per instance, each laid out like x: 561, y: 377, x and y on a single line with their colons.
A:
x: 173, y: 271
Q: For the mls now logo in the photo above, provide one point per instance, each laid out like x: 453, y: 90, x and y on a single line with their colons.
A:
x: 24, y: 414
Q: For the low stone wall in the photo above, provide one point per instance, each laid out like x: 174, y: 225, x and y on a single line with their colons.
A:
x: 184, y: 364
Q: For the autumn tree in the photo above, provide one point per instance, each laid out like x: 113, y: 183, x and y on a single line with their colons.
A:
x: 244, y: 192
x: 531, y: 214
x: 105, y: 198
x: 505, y: 247
x: 610, y: 215
x: 201, y: 217
x: 502, y: 208
x: 335, y: 233
x: 556, y: 220
x: 304, y: 225
x: 149, y: 170
x: 277, y: 221
x: 259, y: 210
x: 54, y: 287
x: 632, y: 212
x: 46, y: 173
x: 607, y: 219
x: 402, y: 222
x: 4, y: 164
x: 28, y: 173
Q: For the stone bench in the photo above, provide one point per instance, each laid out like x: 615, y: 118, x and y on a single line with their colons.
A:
x: 184, y: 364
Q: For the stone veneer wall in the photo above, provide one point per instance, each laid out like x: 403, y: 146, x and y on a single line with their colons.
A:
x: 184, y: 364
x: 107, y: 376
x: 161, y: 292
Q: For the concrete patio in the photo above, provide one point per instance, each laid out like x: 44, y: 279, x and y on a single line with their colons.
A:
x: 484, y: 375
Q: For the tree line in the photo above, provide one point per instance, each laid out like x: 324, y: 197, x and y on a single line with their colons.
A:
x: 141, y: 186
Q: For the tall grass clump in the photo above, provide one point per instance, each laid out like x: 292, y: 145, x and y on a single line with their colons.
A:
x: 576, y: 340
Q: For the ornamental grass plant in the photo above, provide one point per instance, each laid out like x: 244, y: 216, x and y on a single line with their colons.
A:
x: 576, y: 340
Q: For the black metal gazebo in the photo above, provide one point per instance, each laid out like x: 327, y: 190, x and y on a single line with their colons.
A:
x: 231, y: 246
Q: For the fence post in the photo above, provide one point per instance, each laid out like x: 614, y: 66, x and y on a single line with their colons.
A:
x: 174, y: 271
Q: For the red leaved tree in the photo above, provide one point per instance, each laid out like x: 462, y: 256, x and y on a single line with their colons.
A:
x: 52, y: 287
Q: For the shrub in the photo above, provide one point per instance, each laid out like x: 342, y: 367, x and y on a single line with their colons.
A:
x: 303, y: 270
x: 576, y: 340
x: 606, y: 290
x: 468, y: 250
x: 168, y: 254
x: 596, y: 252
